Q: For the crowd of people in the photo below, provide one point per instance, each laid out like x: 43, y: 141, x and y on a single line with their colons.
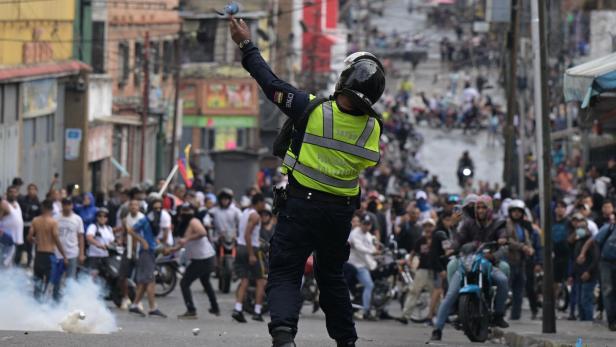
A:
x: 70, y: 234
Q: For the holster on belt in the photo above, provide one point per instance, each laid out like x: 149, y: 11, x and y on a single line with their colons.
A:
x: 280, y: 199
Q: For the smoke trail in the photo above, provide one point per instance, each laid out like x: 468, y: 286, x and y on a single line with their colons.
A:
x: 19, y: 310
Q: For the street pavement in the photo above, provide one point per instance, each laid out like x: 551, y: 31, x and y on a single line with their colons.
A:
x: 441, y: 150
x: 222, y: 331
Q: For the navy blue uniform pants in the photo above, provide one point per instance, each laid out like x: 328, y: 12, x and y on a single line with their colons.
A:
x: 303, y: 227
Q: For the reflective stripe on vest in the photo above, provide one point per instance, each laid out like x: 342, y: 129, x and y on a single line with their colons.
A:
x: 318, y: 176
x: 328, y: 120
x: 365, y: 135
x: 342, y: 146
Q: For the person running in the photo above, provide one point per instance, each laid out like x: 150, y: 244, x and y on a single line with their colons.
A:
x: 44, y: 234
x: 247, y: 263
x: 201, y: 254
x: 145, y: 267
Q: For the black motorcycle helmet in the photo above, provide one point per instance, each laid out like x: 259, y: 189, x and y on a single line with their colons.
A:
x: 363, y: 80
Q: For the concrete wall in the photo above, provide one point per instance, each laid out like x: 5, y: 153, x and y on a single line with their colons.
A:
x: 99, y: 90
x: 602, y: 33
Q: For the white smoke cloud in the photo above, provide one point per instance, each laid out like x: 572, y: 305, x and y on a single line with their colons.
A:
x: 19, y: 310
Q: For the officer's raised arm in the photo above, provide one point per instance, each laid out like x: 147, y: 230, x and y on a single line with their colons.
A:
x: 289, y: 99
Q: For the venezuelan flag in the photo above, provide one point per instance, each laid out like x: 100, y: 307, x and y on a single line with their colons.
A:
x: 184, y: 167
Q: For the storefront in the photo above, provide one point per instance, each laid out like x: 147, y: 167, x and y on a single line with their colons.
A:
x: 220, y: 114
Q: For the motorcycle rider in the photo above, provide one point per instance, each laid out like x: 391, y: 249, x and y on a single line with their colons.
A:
x: 362, y: 258
x: 225, y: 216
x: 517, y: 252
x: 483, y: 228
x: 465, y: 162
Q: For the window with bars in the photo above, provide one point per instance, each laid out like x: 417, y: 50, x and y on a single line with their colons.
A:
x: 168, y: 58
x: 123, y: 59
x: 138, y: 64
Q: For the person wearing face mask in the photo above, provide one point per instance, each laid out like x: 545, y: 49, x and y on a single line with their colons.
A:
x: 201, y: 254
x: 160, y: 220
x: 584, y: 275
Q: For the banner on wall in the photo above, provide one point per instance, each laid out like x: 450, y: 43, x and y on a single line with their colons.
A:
x: 230, y: 97
x: 39, y: 97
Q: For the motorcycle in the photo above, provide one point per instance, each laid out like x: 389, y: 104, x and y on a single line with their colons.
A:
x: 310, y: 289
x: 391, y: 278
x: 226, y: 257
x: 476, y: 293
x: 465, y: 176
x: 168, y: 267
x: 110, y: 273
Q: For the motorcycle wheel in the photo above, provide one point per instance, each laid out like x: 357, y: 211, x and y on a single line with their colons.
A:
x: 422, y: 308
x: 224, y: 282
x: 166, y: 279
x: 562, y: 301
x: 474, y: 323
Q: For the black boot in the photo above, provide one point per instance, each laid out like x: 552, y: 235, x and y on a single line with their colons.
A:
x: 437, y: 335
x: 283, y: 337
x: 347, y: 343
x: 498, y: 320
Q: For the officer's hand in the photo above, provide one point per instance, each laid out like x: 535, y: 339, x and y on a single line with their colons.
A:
x: 252, y: 259
x: 239, y: 30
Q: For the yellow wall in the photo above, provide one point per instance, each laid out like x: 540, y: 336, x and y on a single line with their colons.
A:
x: 53, y: 20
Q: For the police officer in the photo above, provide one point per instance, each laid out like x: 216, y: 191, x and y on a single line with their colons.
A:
x: 335, y: 142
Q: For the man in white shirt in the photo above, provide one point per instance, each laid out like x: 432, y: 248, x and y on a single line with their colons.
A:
x: 70, y: 229
x: 130, y: 255
x: 362, y: 258
x: 12, y: 223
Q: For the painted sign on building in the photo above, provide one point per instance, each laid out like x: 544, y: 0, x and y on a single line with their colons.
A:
x: 39, y: 97
x: 72, y: 143
x: 230, y: 97
x: 100, y: 142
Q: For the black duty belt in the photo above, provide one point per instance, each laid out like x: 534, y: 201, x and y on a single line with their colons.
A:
x: 315, y: 195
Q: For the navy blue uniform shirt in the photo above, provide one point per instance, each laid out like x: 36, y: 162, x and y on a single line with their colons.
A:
x: 289, y: 99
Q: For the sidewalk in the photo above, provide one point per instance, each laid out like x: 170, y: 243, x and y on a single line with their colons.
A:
x: 527, y: 333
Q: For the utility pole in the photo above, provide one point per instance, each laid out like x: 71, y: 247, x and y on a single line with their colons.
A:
x: 512, y: 43
x: 544, y: 146
x: 314, y: 47
x: 177, y: 72
x: 146, y: 101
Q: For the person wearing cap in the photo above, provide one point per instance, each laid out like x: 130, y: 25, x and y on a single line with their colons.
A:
x: 71, y: 232
x: 426, y: 250
x: 325, y: 145
x: 362, y: 255
x: 99, y: 235
x: 518, y: 252
x: 584, y: 275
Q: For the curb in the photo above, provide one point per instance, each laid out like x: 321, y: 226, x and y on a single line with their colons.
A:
x: 513, y: 339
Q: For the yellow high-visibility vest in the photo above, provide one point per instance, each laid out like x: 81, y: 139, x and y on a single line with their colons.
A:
x: 335, y: 148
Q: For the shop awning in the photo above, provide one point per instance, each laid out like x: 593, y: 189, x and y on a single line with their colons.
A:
x: 590, y: 79
x: 133, y: 120
x: 51, y: 69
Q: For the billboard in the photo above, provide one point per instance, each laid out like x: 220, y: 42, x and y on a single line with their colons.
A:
x: 230, y: 97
